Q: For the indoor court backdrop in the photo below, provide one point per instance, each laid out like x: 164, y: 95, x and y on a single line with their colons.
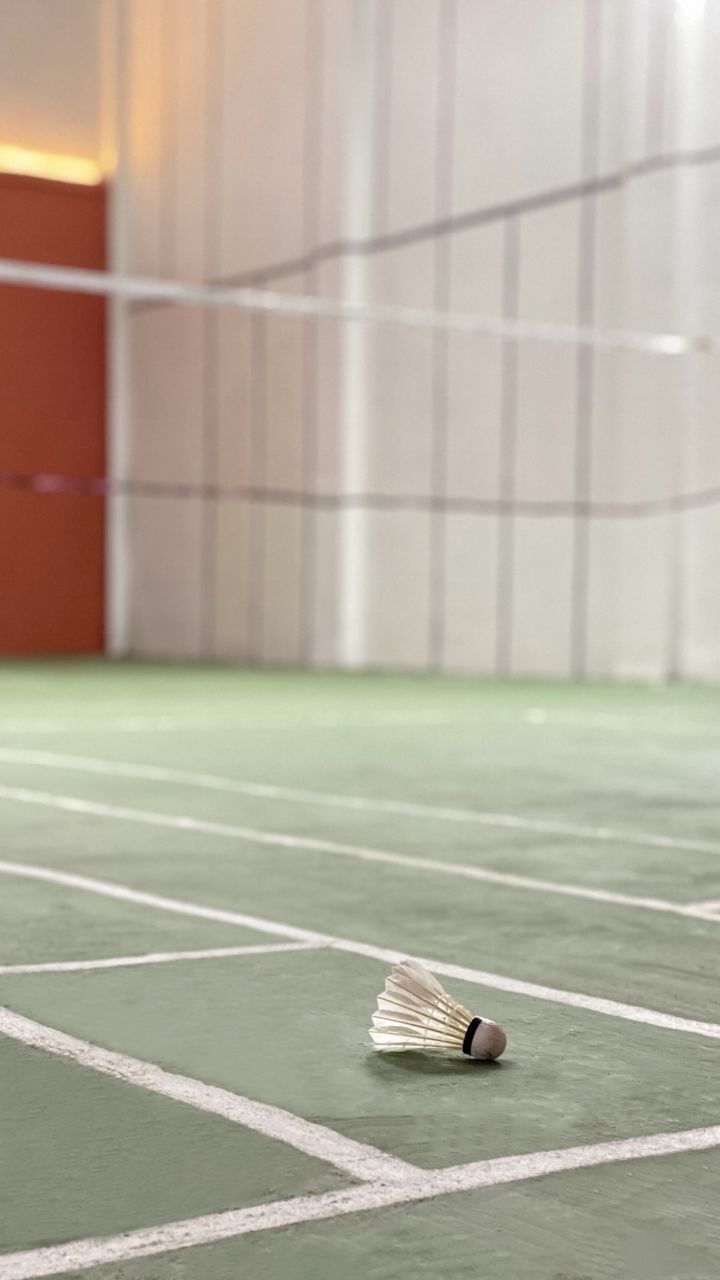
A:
x: 319, y: 492
x: 374, y: 485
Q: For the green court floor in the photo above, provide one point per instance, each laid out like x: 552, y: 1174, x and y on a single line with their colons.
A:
x: 552, y: 851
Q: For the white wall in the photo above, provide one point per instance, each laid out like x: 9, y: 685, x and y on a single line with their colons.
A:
x: 548, y: 159
x: 50, y: 70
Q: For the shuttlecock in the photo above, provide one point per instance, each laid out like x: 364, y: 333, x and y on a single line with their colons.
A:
x: 414, y: 1012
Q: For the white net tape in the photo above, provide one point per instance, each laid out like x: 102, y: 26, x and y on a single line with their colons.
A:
x: 140, y: 289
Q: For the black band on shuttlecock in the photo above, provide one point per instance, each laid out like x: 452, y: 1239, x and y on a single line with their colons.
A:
x: 472, y: 1028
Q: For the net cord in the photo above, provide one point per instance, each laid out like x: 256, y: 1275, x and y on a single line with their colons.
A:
x: 148, y: 291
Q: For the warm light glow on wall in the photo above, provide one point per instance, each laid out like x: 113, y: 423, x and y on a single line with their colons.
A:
x: 44, y: 164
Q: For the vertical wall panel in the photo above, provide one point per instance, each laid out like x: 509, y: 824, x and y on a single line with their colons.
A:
x: 473, y: 416
x: 540, y: 638
x: 263, y: 136
x: 474, y: 387
x: 231, y: 617
x: 412, y: 105
x: 167, y: 394
x: 398, y: 606
x: 280, y: 622
x: 284, y: 421
x: 702, y: 650
x: 470, y: 590
x: 234, y: 398
x: 165, y: 550
x: 194, y: 147
x: 605, y: 567
x: 644, y: 599
x: 144, y: 110
x: 399, y: 374
x: 546, y: 389
x: 518, y: 88
x: 549, y: 279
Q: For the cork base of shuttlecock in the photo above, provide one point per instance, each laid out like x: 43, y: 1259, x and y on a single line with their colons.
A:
x: 487, y: 1042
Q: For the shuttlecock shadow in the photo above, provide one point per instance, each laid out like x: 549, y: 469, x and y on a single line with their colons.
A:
x: 408, y: 1062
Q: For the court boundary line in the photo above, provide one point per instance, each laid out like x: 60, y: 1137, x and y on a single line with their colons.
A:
x: 162, y: 723
x: 330, y: 720
x: 81, y: 1254
x: 360, y: 853
x: 157, y: 957
x: 358, y: 1159
x: 476, y: 977
x: 338, y: 800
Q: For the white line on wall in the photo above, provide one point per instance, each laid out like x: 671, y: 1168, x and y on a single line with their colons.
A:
x: 76, y: 1255
x: 367, y: 804
x: 156, y: 957
x: 478, y: 977
x: 282, y: 840
x: 355, y: 1158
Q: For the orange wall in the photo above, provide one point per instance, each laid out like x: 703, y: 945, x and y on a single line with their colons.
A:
x: 52, y: 422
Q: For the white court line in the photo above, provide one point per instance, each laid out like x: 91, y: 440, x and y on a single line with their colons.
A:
x: 276, y: 839
x: 157, y: 957
x: 335, y: 720
x: 367, y: 804
x: 479, y: 977
x: 122, y: 724
x: 111, y: 724
x: 626, y: 723
x: 163, y: 724
x: 355, y: 1158
x: 77, y: 1255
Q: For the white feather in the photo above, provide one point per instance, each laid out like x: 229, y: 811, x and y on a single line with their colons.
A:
x: 415, y: 1012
